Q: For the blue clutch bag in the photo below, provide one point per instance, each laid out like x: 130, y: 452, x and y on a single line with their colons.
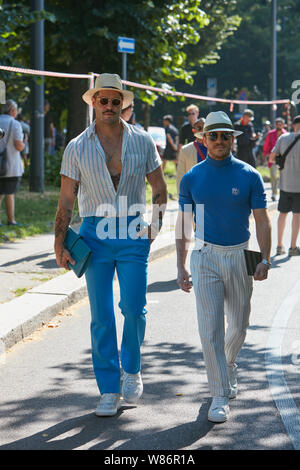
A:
x: 79, y: 251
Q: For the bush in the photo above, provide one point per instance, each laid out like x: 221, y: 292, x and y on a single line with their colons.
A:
x: 52, y: 168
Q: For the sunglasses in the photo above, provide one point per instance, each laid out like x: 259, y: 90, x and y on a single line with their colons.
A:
x: 113, y: 101
x: 214, y: 135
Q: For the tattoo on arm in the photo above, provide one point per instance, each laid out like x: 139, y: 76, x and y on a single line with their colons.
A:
x: 76, y: 189
x: 62, y: 221
x: 156, y: 198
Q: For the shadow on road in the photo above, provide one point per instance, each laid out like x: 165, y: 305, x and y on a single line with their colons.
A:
x: 254, y: 419
x: 163, y: 286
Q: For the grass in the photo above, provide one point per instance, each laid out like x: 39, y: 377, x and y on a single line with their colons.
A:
x: 34, y: 211
x: 20, y: 291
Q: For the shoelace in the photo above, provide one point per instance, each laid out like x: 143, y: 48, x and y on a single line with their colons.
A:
x: 108, y: 398
x: 131, y: 379
x: 219, y: 402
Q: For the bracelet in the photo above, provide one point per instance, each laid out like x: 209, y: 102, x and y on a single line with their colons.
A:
x: 266, y: 262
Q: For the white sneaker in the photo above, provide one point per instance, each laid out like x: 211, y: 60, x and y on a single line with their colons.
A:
x: 109, y: 404
x: 132, y: 387
x: 219, y: 410
x: 232, y: 376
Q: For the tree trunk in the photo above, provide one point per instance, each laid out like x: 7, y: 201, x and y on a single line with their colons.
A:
x: 147, y: 115
x: 77, y: 108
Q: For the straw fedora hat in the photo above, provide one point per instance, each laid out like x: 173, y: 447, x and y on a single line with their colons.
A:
x: 109, y: 81
x: 218, y: 121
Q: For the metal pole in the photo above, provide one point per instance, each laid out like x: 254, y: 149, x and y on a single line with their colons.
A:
x: 273, y: 59
x: 36, y: 183
x: 124, y: 67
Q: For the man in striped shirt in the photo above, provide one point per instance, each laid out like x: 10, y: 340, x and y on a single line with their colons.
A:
x: 106, y: 167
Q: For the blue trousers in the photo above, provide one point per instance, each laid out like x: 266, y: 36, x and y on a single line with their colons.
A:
x: 129, y: 258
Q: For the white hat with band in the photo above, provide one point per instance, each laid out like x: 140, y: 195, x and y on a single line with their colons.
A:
x: 109, y: 81
x: 218, y: 121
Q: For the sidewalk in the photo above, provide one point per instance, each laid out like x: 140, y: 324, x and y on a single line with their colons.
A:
x: 29, y: 266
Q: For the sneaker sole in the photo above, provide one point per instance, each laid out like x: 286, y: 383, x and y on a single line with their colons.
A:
x: 132, y: 400
x: 217, y: 420
x: 108, y: 412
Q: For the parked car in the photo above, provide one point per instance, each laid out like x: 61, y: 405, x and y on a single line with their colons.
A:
x: 158, y: 134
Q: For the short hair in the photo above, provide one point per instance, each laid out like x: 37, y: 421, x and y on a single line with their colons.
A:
x: 296, y: 119
x: 9, y: 106
x: 168, y: 117
x: 248, y: 112
x: 192, y: 107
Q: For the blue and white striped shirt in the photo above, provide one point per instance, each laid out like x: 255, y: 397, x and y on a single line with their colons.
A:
x: 84, y: 161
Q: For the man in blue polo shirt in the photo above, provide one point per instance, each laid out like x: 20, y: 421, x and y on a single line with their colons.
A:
x: 221, y: 192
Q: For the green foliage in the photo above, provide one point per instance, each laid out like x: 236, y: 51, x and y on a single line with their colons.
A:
x: 163, y: 31
x: 52, y: 168
x: 15, y: 20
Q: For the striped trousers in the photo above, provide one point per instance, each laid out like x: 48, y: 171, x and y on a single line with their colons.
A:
x: 222, y: 287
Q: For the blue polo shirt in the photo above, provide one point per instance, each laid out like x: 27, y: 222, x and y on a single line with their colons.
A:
x: 222, y: 194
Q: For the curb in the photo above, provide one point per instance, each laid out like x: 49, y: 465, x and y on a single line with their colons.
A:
x: 22, y: 316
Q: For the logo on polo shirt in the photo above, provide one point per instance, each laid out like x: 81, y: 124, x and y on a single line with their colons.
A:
x: 235, y: 191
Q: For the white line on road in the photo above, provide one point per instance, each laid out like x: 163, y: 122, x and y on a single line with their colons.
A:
x: 275, y: 373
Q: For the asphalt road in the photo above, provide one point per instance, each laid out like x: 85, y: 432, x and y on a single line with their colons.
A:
x: 48, y: 391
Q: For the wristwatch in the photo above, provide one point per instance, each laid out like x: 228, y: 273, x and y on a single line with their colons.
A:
x: 266, y: 262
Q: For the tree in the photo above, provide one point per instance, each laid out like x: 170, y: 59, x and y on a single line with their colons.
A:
x: 84, y: 38
x: 172, y: 38
x: 15, y: 20
x: 245, y: 59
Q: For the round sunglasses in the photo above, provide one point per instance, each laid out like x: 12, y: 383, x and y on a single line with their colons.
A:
x: 214, y: 135
x: 114, y: 101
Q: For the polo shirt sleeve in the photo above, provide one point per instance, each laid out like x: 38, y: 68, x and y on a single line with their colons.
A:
x: 153, y: 159
x: 186, y: 203
x: 17, y: 131
x: 258, y: 194
x: 278, y: 146
x: 69, y: 164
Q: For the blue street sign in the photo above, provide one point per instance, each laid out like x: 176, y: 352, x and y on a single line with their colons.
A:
x: 126, y: 45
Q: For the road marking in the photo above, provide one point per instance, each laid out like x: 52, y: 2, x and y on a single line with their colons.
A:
x: 281, y: 394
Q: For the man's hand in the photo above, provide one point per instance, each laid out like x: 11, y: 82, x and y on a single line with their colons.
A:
x: 261, y: 272
x: 183, y: 280
x: 63, y: 256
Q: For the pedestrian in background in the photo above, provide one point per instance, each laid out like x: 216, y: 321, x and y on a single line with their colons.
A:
x: 14, y: 142
x: 289, y: 184
x: 227, y: 190
x: 106, y: 166
x: 266, y: 128
x: 270, y: 141
x: 127, y: 114
x: 186, y: 132
x: 26, y: 132
x: 192, y: 153
x: 247, y: 139
x: 170, y: 152
x: 49, y: 130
